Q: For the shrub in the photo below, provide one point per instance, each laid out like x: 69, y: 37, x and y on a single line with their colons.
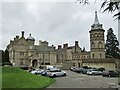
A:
x: 101, y: 69
x: 85, y: 67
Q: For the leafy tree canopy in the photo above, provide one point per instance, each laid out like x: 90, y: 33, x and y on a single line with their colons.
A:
x: 107, y: 5
x: 112, y: 44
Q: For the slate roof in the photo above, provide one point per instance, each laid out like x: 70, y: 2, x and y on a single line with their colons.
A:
x: 43, y: 48
x: 99, y: 60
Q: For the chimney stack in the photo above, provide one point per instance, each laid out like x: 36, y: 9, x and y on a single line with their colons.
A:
x: 53, y: 46
x: 17, y: 37
x: 11, y: 42
x: 76, y: 43
x: 22, y: 33
x: 59, y: 46
x: 65, y: 45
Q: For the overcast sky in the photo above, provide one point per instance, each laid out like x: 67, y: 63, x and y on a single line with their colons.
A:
x: 55, y: 22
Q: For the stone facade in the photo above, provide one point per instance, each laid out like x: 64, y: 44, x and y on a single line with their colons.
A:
x: 74, y: 56
x: 97, y: 42
x: 24, y: 53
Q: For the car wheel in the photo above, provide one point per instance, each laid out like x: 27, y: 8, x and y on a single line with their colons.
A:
x: 64, y: 74
x: 54, y: 75
x: 35, y: 73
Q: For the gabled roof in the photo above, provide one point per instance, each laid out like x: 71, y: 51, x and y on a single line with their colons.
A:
x: 44, y: 48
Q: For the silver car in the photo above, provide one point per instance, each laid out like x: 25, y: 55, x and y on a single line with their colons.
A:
x: 56, y: 72
x: 94, y: 72
x: 37, y: 71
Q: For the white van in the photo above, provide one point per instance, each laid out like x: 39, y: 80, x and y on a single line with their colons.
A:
x: 50, y: 67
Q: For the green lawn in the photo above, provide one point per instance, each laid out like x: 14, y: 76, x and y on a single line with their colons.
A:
x: 0, y: 77
x: 13, y: 77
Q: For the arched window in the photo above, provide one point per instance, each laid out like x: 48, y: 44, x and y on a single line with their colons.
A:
x: 100, y: 34
x: 93, y: 55
x: 100, y: 55
x: 92, y: 45
x: 96, y: 35
x: 93, y: 35
x: 99, y: 44
x: 34, y: 63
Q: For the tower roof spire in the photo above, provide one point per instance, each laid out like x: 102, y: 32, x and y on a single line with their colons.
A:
x: 96, y: 21
x: 96, y: 24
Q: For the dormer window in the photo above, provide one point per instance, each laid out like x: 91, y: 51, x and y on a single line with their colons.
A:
x: 31, y: 47
x: 22, y: 53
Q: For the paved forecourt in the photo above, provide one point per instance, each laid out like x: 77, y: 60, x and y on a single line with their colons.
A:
x: 77, y: 80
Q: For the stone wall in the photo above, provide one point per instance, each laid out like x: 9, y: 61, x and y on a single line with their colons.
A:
x: 108, y: 66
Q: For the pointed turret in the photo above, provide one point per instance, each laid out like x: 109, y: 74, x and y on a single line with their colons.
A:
x: 30, y: 40
x: 96, y: 21
x: 96, y: 24
x: 30, y: 37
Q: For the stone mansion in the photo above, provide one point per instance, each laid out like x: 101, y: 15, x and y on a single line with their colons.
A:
x: 24, y: 53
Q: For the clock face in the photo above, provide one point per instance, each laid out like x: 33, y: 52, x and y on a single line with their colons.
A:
x: 30, y: 47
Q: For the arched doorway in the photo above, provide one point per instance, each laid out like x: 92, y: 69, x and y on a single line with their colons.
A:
x: 34, y: 63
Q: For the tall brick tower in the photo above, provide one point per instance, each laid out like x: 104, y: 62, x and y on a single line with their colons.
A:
x: 97, y: 42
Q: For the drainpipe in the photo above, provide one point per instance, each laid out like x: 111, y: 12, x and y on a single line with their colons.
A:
x: 119, y: 46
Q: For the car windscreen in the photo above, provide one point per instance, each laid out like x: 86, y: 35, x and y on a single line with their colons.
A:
x: 94, y: 70
x: 55, y: 71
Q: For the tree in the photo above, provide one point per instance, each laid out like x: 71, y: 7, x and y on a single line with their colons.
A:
x: 108, y: 5
x: 112, y: 44
x: 111, y: 6
x: 3, y: 56
x: 6, y: 56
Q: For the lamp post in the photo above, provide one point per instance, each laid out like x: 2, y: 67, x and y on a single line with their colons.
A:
x: 119, y: 72
x: 44, y: 60
x: 40, y: 62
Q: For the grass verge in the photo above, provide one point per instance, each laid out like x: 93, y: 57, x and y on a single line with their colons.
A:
x: 13, y: 77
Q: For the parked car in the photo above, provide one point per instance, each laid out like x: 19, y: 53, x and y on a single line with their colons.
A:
x: 44, y: 73
x: 72, y: 68
x: 56, y: 72
x: 49, y: 67
x: 94, y: 72
x: 85, y: 71
x: 110, y: 73
x: 79, y: 70
x: 37, y: 71
x: 76, y: 69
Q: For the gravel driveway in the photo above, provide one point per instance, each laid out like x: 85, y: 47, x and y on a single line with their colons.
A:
x: 76, y: 80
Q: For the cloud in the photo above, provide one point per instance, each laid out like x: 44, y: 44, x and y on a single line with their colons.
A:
x: 56, y: 22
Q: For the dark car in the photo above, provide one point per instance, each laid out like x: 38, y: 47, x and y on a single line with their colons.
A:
x: 85, y: 71
x: 79, y: 70
x: 110, y: 73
